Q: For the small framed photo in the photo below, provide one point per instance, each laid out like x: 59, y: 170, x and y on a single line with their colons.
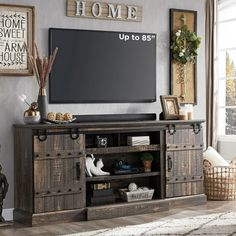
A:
x: 16, y: 29
x: 170, y: 107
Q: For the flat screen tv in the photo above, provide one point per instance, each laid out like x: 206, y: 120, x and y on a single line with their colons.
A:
x: 102, y: 67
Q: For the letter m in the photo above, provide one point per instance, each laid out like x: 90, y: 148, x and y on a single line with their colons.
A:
x: 80, y: 8
x: 114, y: 12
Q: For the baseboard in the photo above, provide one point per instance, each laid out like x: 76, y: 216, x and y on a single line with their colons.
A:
x: 8, y: 214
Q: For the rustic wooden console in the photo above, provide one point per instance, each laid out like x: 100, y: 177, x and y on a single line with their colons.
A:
x: 50, y: 180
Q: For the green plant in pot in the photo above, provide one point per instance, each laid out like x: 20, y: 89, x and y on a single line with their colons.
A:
x: 147, y: 159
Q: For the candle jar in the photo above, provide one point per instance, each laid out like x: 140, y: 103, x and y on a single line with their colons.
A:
x: 189, y: 109
x: 183, y: 114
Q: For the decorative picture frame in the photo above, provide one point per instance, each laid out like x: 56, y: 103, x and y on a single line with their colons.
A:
x: 17, y: 24
x: 178, y: 18
x: 170, y: 107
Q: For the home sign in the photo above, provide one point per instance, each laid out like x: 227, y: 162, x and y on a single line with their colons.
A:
x: 104, y: 10
x: 16, y: 29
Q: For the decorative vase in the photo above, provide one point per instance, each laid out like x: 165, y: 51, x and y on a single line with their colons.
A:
x: 42, y: 104
x: 31, y: 117
x: 147, y: 165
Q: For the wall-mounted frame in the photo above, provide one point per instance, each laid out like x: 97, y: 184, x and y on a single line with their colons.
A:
x: 170, y: 107
x: 17, y: 28
x: 178, y: 18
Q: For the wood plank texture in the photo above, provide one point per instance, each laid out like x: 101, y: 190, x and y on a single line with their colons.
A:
x: 50, y: 175
x: 184, y: 172
x: 23, y: 170
x: 56, y: 182
x: 104, y: 11
x: 123, y: 149
x: 120, y: 177
x: 143, y: 207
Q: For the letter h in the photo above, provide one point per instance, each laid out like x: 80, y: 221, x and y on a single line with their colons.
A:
x: 80, y: 8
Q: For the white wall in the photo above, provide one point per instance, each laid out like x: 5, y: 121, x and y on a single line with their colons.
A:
x: 52, y: 13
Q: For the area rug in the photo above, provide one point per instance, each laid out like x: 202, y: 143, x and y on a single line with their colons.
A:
x: 223, y: 224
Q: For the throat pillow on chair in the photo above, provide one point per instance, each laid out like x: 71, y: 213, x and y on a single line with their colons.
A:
x: 214, y: 157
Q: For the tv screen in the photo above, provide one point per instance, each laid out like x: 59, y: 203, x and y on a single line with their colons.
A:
x: 102, y: 67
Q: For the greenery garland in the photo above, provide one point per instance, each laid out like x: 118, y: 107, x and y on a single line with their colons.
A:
x: 184, y: 45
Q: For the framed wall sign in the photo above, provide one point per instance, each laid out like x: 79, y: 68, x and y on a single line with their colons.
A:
x: 16, y: 28
x: 182, y: 75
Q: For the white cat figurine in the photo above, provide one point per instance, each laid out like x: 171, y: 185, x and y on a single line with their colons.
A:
x: 91, y: 169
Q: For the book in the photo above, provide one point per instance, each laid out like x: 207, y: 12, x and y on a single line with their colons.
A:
x: 100, y: 186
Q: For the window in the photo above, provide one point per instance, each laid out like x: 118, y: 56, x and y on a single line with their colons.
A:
x: 227, y: 67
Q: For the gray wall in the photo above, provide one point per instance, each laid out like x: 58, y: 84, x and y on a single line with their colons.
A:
x: 52, y: 13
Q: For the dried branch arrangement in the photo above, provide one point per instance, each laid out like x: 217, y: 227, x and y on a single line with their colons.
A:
x: 41, y: 66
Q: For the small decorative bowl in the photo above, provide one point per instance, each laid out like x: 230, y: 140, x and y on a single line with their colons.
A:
x: 32, y: 119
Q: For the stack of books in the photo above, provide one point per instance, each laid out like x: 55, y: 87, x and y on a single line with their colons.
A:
x: 100, y: 194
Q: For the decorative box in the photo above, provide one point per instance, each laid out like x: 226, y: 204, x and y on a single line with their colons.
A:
x: 138, y: 140
x: 138, y: 195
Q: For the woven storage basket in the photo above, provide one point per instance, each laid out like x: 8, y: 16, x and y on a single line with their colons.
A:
x: 219, y: 182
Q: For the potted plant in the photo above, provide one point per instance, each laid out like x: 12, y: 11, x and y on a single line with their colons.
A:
x: 147, y: 159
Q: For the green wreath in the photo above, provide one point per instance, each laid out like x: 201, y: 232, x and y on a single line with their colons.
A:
x: 184, y: 45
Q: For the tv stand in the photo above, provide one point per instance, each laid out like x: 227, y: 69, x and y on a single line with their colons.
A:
x: 51, y: 184
x: 116, y: 117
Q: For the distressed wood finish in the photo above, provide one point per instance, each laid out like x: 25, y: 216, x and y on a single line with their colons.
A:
x: 50, y: 168
x: 108, y: 150
x: 23, y: 166
x: 120, y: 177
x: 184, y: 172
x: 58, y: 173
x: 50, y: 173
x: 30, y: 219
x: 87, y: 13
x: 143, y: 207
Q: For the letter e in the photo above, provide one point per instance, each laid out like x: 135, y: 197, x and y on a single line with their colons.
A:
x: 132, y: 13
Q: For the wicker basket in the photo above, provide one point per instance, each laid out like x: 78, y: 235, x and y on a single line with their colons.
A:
x: 136, y: 195
x: 220, y: 182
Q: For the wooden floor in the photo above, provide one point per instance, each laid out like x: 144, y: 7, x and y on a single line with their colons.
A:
x: 69, y: 228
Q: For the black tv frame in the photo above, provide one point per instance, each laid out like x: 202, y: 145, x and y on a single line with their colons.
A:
x: 100, y: 101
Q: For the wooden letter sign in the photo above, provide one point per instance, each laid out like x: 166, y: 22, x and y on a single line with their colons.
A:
x: 103, y: 10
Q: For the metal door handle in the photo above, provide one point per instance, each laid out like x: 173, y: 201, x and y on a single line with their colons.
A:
x: 169, y: 164
x: 78, y: 170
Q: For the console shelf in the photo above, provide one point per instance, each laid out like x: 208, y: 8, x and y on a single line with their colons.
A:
x: 120, y: 177
x: 123, y: 149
